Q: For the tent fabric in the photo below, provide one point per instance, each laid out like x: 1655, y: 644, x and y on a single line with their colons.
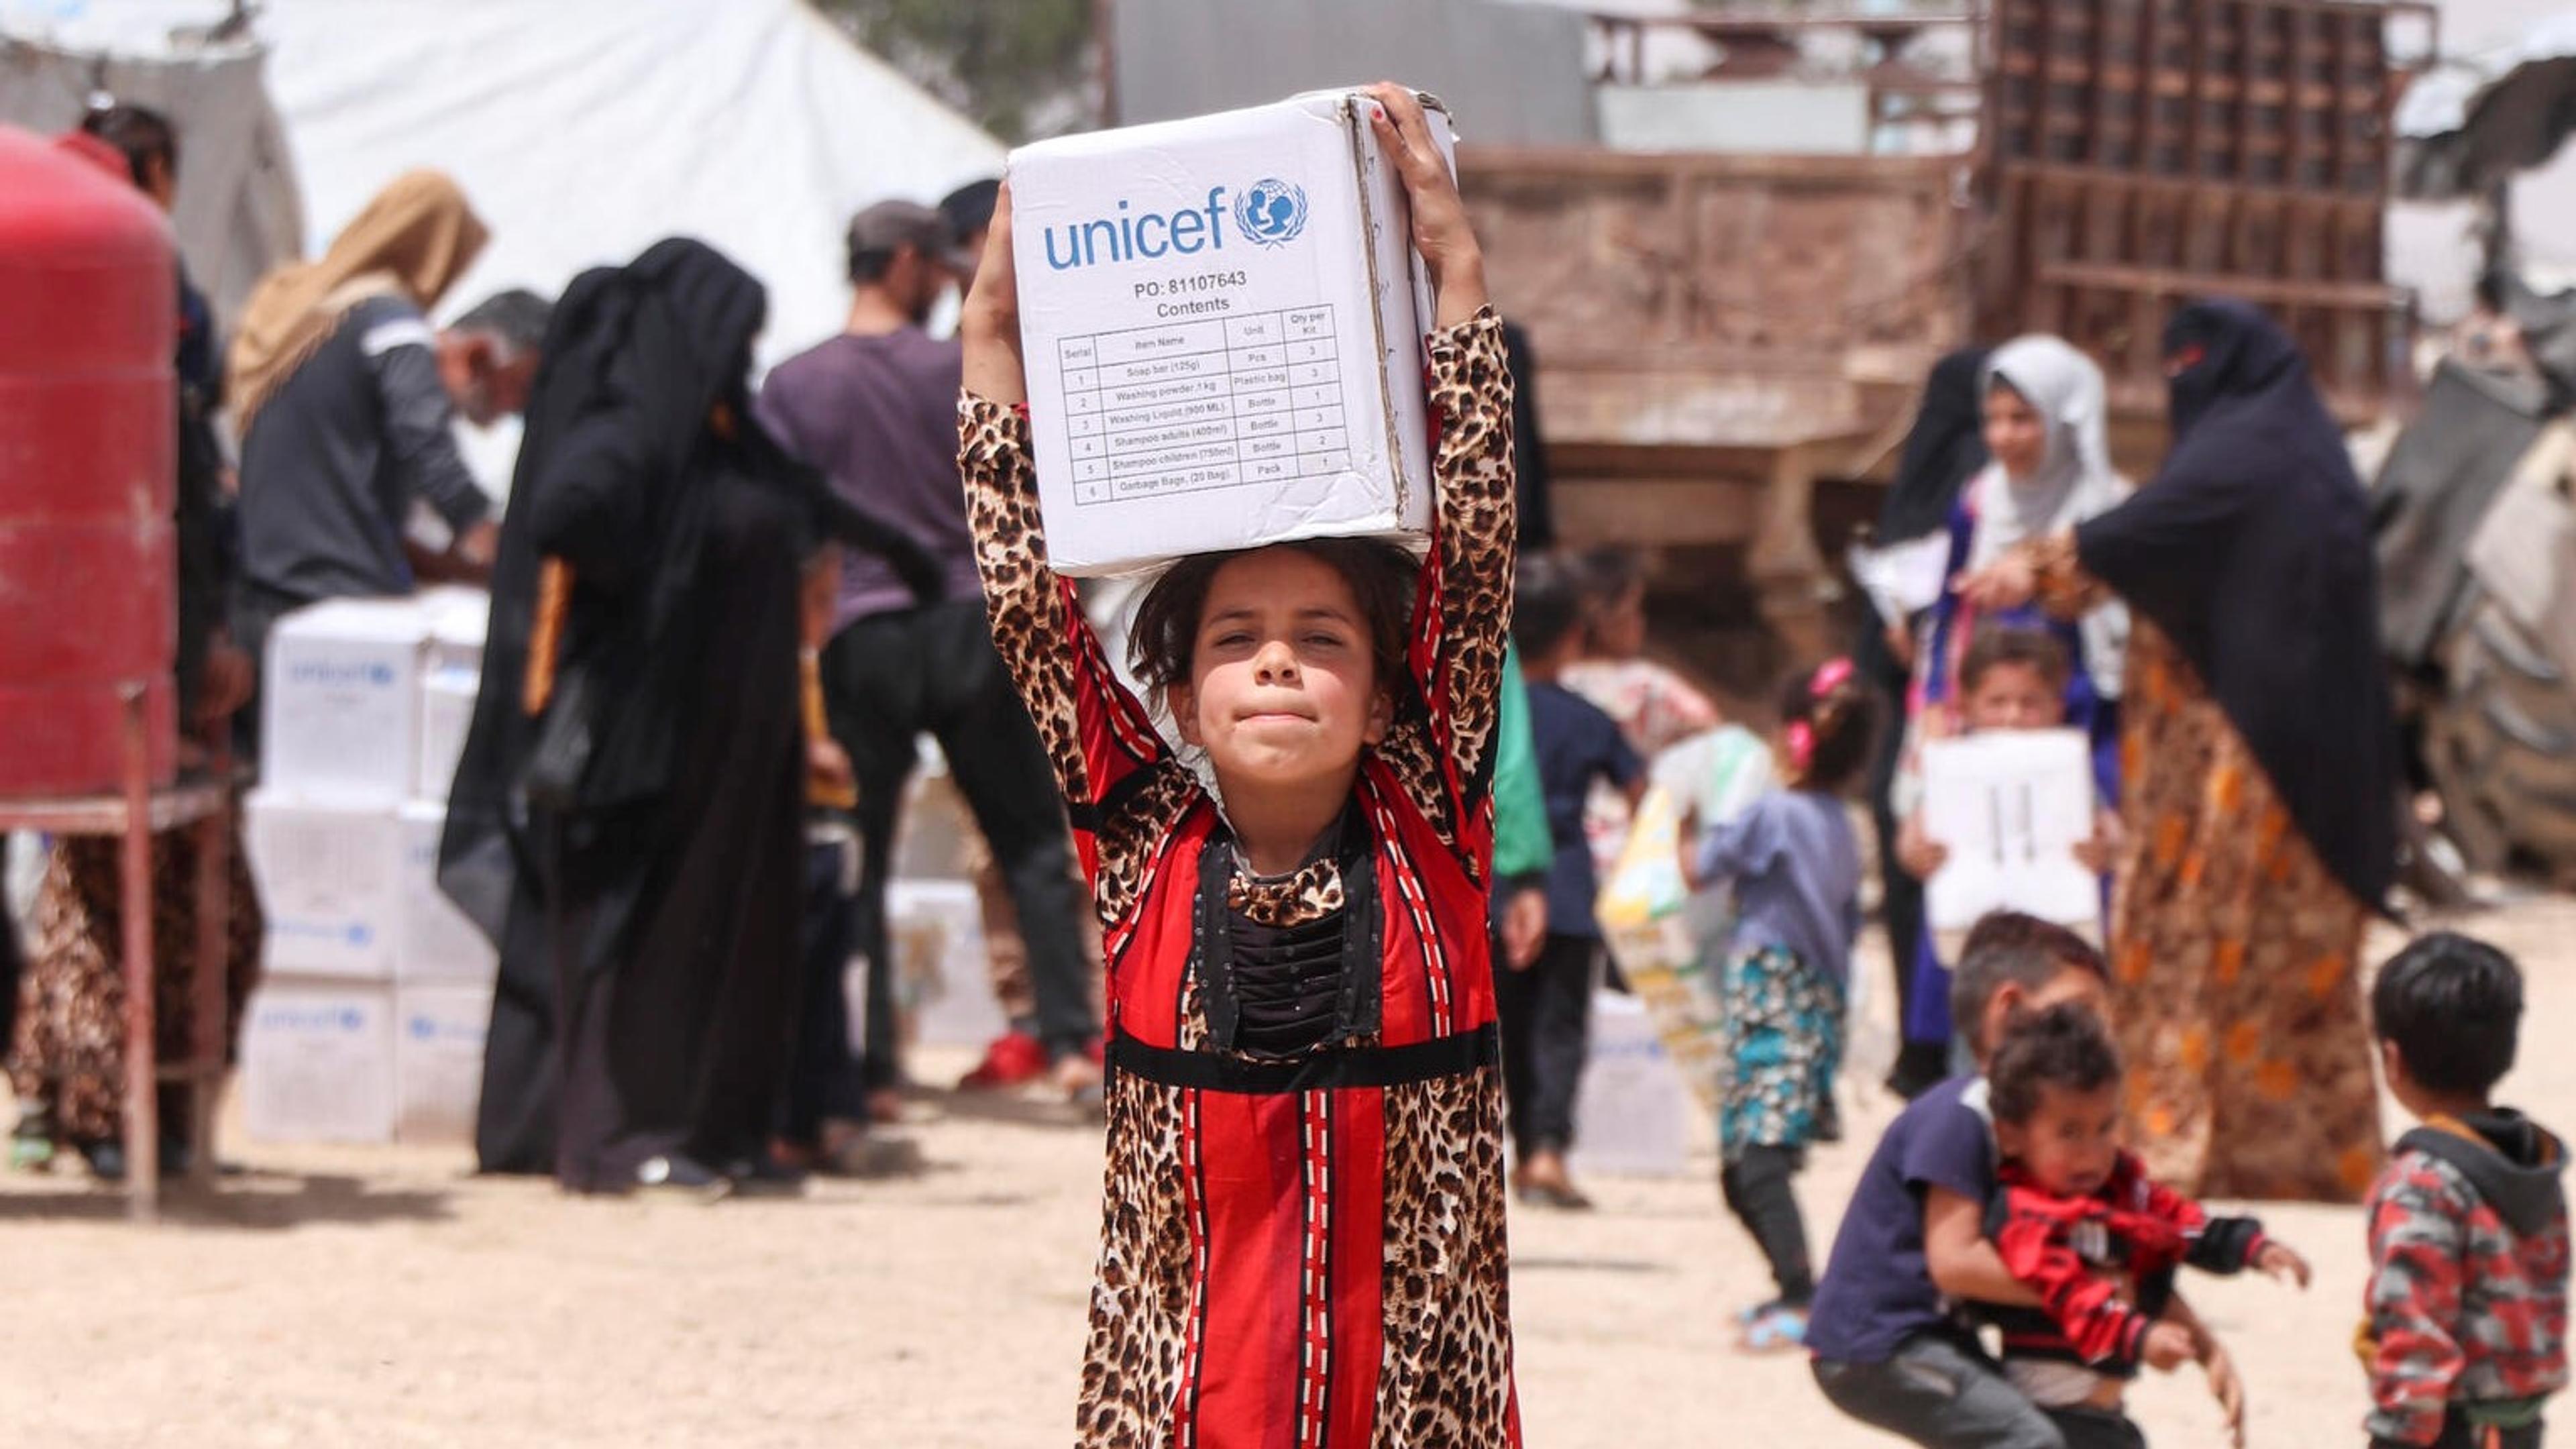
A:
x: 585, y: 130
x: 238, y: 213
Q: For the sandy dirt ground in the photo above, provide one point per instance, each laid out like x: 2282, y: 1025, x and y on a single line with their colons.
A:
x: 387, y: 1297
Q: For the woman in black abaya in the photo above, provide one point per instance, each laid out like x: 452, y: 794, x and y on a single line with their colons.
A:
x: 1943, y: 450
x: 2259, y: 772
x: 636, y: 845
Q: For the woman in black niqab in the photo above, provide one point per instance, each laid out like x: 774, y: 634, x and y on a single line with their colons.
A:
x: 2260, y: 789
x: 1943, y: 450
x: 647, y: 908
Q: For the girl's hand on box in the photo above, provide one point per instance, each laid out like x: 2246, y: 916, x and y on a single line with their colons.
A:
x: 1440, y: 231
x: 988, y: 324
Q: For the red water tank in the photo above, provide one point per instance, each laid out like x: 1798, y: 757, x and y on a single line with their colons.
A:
x: 88, y: 470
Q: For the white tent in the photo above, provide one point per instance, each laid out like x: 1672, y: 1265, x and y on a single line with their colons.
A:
x: 584, y: 130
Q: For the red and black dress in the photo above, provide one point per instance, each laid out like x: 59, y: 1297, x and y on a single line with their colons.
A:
x: 1302, y: 1227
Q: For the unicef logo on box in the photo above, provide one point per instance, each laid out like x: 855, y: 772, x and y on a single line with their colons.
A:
x: 1271, y: 211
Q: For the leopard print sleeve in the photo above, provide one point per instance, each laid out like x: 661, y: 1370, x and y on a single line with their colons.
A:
x: 1469, y: 592
x: 1096, y: 733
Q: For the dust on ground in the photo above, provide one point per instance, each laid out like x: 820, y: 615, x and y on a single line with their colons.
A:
x: 385, y: 1296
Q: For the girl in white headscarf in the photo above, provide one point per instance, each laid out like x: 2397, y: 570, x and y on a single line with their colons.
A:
x: 2047, y: 434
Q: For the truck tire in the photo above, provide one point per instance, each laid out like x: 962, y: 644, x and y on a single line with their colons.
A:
x: 2501, y: 745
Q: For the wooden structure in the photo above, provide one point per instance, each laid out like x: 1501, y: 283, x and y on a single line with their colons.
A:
x: 1725, y: 339
x: 134, y: 816
x: 2136, y: 153
x: 1708, y: 327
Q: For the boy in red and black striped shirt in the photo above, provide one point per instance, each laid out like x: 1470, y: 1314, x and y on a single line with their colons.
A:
x: 2079, y: 1224
x: 2466, y: 1337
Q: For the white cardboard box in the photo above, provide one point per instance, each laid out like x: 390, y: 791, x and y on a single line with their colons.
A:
x: 341, y: 699
x: 936, y: 930
x: 1633, y: 1115
x: 438, y: 1060
x: 329, y: 875
x: 447, y: 695
x: 1223, y: 323
x: 457, y: 617
x: 318, y: 1062
x: 457, y: 620
x: 434, y: 944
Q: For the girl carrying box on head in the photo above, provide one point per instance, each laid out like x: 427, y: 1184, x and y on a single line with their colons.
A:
x: 1304, y: 1198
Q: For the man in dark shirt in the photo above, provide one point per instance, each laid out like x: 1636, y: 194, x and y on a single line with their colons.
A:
x: 335, y: 460
x: 876, y: 408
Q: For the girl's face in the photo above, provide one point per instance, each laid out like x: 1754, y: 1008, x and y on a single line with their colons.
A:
x: 2016, y: 434
x: 1283, y: 681
x: 2071, y: 1142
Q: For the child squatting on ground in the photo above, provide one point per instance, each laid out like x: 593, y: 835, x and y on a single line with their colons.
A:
x: 1889, y: 1348
x: 2466, y: 1334
x: 1795, y: 867
x: 2079, y: 1224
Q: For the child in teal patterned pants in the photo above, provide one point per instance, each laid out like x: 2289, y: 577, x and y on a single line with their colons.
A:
x: 1795, y: 867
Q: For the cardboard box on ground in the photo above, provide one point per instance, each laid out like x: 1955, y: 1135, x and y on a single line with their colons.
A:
x: 1633, y: 1117
x: 1222, y: 319
x: 369, y: 1023
x: 934, y: 922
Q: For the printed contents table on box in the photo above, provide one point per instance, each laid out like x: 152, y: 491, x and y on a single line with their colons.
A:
x: 1191, y: 405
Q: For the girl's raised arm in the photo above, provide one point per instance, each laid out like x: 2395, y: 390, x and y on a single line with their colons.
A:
x: 1464, y: 616
x: 1096, y: 733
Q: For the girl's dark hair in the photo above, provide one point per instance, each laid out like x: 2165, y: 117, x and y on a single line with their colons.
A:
x: 1163, y: 642
x: 1998, y: 645
x: 1830, y: 721
x: 1547, y: 604
x: 2453, y: 1006
x: 2065, y: 1046
x: 139, y: 132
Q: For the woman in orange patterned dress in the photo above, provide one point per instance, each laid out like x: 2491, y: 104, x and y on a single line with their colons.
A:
x: 2258, y: 767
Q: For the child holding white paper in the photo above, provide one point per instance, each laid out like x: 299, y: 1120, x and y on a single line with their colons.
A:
x: 1795, y: 866
x: 2012, y: 678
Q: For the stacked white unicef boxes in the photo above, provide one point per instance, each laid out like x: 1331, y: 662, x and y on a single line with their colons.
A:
x: 1223, y: 322
x: 369, y: 1024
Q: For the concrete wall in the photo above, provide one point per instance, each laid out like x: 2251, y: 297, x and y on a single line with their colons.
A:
x: 1708, y: 300
x: 1511, y: 74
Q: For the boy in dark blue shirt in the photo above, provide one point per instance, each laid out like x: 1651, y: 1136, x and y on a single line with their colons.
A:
x: 1888, y: 1350
x: 1546, y: 1006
